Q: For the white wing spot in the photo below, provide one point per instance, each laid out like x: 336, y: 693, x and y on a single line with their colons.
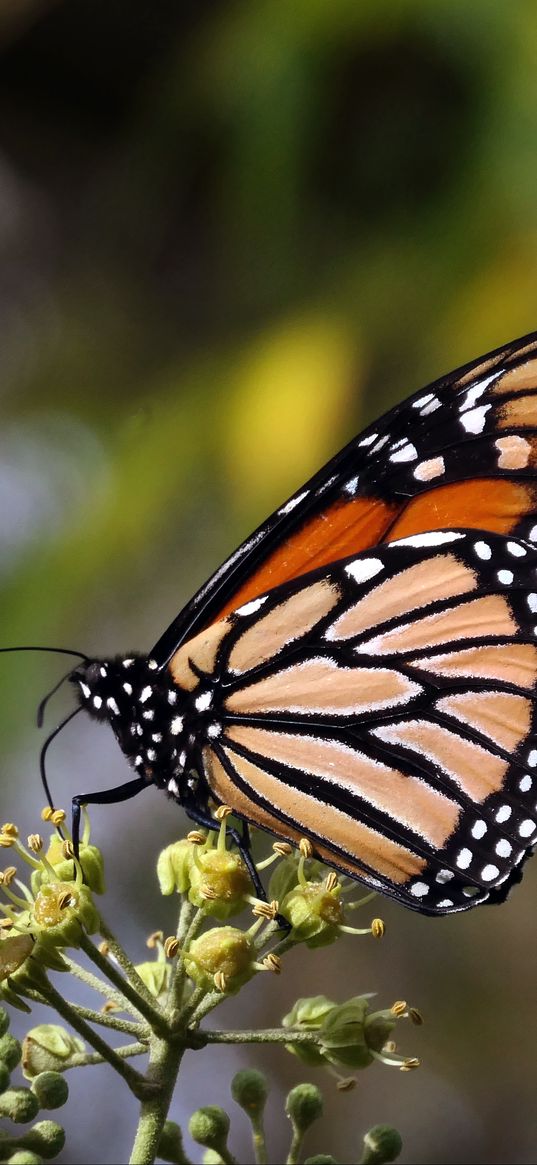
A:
x: 151, y: 754
x: 145, y: 694
x: 128, y: 689
x: 533, y: 534
x: 419, y: 889
x: 128, y: 662
x: 444, y: 876
x: 290, y: 505
x: 149, y: 715
x: 503, y: 848
x: 252, y: 607
x: 532, y: 758
x: 176, y: 725
x: 423, y: 400
x: 152, y: 663
x: 479, y: 829
x: 214, y: 730
x: 503, y: 814
x: 111, y: 703
x: 97, y: 702
x: 367, y: 440
x: 173, y: 787
x: 445, y: 902
x: 526, y: 828
x: 157, y: 737
x: 506, y: 577
x: 474, y: 421
x: 516, y: 549
x: 483, y: 550
x: 351, y: 486
x: 172, y: 697
x: 431, y: 408
x: 430, y: 538
x: 406, y: 453
x: 85, y: 690
x: 427, y: 470
x: 103, y: 670
x: 380, y: 444
x: 364, y: 568
x: 532, y: 602
x: 464, y: 858
x: 203, y: 702
x: 489, y: 872
x: 525, y: 783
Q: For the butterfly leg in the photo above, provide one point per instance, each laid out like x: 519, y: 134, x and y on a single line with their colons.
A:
x: 105, y: 797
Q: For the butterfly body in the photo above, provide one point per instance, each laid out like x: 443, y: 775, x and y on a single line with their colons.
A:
x: 362, y: 671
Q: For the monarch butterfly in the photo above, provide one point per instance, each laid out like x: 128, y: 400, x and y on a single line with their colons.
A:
x: 362, y: 670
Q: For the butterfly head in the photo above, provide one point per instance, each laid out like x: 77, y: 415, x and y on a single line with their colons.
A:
x: 144, y: 707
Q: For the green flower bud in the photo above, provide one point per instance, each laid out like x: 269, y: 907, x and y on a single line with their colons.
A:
x: 210, y: 1157
x: 46, y: 1048
x: 285, y: 876
x: 19, y: 1104
x: 92, y: 863
x: 209, y: 1126
x: 10, y: 1051
x: 174, y: 865
x: 14, y: 950
x: 61, y: 910
x: 225, y: 952
x: 4, y: 1021
x: 308, y: 1015
x: 219, y: 881
x: 156, y: 976
x: 249, y: 1089
x: 343, y: 1036
x: 309, y: 1012
x: 381, y: 1144
x: 378, y: 1028
x: 314, y: 912
x: 46, y: 1138
x: 303, y: 1106
x: 51, y: 1089
x: 170, y: 1146
x: 25, y: 1157
x: 4, y: 1077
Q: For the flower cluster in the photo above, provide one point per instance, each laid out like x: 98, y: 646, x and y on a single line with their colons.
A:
x: 163, y: 999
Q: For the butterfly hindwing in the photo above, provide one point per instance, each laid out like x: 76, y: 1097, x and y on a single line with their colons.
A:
x: 384, y: 708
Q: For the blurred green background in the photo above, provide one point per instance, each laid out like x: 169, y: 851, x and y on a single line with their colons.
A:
x: 231, y: 234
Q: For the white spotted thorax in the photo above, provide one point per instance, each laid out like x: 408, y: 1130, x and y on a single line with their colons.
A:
x: 156, y: 724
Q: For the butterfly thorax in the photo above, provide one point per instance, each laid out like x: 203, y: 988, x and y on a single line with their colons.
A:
x: 152, y: 718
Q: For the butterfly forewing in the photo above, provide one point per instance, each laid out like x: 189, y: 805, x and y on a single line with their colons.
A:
x: 459, y: 453
x: 384, y: 708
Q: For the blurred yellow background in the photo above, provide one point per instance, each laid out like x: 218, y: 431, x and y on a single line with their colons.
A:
x: 230, y: 235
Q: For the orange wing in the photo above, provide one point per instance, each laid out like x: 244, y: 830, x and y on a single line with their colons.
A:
x: 461, y: 453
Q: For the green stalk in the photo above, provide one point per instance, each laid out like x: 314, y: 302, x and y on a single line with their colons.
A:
x: 164, y: 1062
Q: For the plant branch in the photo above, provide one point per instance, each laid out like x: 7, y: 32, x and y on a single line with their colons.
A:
x: 140, y: 1002
x: 86, y: 1059
x: 106, y: 1019
x: 105, y: 989
x: 164, y: 1062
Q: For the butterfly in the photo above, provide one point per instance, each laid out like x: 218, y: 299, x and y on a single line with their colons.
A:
x: 362, y: 670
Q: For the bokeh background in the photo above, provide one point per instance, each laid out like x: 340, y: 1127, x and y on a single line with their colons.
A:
x: 230, y: 234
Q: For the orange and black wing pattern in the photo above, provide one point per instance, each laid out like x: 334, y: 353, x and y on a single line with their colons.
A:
x: 385, y: 708
x: 462, y: 452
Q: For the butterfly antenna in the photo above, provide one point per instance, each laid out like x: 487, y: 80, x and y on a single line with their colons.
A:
x: 41, y: 709
x: 45, y: 749
x: 55, y: 650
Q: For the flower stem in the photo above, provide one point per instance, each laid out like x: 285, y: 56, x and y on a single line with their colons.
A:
x: 86, y: 1059
x: 164, y: 1061
x: 269, y: 1035
x: 135, y: 1081
x: 112, y: 1021
x: 98, y: 984
x: 139, y: 1000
